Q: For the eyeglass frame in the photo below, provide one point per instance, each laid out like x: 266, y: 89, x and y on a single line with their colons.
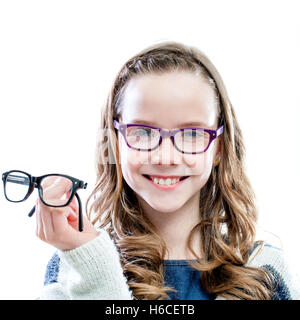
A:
x: 213, y: 134
x: 35, y: 182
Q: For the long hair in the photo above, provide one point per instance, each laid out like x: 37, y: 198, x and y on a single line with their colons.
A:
x: 228, y: 212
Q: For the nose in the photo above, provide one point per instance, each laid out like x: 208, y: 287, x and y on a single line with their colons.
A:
x: 166, y: 153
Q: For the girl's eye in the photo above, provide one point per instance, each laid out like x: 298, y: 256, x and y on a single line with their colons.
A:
x: 143, y: 132
x: 193, y: 133
x: 140, y: 132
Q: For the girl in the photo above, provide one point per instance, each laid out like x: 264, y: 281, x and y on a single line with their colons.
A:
x: 172, y: 214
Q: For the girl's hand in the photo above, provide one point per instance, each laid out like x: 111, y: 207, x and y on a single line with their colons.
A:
x: 59, y: 226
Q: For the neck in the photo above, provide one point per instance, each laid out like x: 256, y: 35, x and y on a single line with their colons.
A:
x: 175, y: 227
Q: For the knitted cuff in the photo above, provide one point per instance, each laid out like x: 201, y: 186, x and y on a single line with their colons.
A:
x: 98, y: 264
x: 97, y: 250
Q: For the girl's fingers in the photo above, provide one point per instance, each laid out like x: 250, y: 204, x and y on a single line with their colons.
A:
x: 46, y: 218
x: 39, y: 224
x: 51, y: 220
x: 46, y: 182
x: 58, y: 202
x: 56, y: 188
x: 59, y: 226
x: 61, y: 218
x: 54, y: 225
x: 74, y: 204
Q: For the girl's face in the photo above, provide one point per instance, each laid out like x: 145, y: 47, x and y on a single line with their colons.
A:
x: 168, y: 101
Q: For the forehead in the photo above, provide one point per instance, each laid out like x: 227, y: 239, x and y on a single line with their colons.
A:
x: 168, y: 100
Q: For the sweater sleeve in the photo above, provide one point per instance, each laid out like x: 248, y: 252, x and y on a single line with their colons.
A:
x: 287, y: 284
x: 91, y: 271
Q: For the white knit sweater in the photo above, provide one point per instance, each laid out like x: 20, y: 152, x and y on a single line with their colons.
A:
x: 93, y: 271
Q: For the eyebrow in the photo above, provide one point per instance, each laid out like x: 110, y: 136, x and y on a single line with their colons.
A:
x: 182, y: 125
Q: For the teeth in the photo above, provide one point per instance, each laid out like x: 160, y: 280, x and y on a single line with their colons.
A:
x: 165, y: 182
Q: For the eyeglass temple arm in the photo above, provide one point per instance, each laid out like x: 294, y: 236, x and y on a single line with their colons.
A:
x: 80, y: 219
x: 30, y: 214
x: 220, y: 130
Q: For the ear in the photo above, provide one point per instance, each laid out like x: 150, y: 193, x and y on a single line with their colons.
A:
x: 217, y: 157
x: 219, y: 150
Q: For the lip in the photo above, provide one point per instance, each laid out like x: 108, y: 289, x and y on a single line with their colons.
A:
x: 165, y: 177
x: 170, y: 187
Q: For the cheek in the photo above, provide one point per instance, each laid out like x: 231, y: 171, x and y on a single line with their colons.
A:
x: 200, y: 171
x: 199, y: 164
x: 131, y: 163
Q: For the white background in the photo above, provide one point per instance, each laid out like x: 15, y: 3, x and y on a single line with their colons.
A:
x: 57, y: 62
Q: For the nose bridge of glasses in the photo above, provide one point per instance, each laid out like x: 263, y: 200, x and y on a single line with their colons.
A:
x: 34, y: 182
x: 167, y: 147
x: 167, y: 133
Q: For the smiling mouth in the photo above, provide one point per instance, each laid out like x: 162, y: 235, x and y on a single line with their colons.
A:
x: 180, y: 179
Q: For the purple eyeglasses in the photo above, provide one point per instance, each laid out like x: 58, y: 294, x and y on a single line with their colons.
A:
x: 143, y: 137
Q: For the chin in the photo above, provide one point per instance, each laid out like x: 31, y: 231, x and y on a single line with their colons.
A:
x: 164, y: 207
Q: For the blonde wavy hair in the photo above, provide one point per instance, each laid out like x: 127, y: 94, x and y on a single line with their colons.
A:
x: 227, y: 201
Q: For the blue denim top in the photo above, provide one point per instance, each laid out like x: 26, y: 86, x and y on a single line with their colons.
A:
x: 186, y: 280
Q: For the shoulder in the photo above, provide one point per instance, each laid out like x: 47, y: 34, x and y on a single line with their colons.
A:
x: 272, y: 259
x: 262, y: 254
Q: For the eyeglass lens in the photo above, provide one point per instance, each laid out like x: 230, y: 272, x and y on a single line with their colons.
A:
x: 56, y: 190
x: 187, y: 140
x: 17, y: 186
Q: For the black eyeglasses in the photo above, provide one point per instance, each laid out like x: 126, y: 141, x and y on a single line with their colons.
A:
x: 55, y: 190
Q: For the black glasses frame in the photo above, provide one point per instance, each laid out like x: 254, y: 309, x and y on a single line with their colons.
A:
x: 35, y: 182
